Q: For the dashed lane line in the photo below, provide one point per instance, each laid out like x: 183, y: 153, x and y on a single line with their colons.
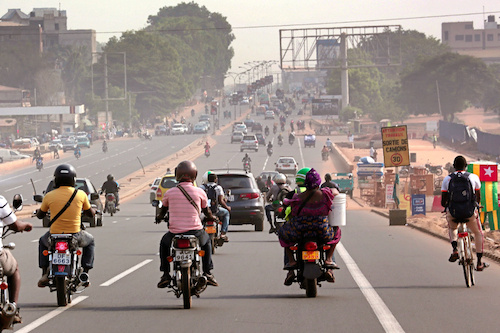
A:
x: 127, y: 272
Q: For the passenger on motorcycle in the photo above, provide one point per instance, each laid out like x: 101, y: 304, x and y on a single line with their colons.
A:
x: 325, y: 150
x: 222, y: 210
x: 269, y: 145
x: 111, y: 186
x: 7, y: 260
x: 69, y: 222
x: 184, y: 218
x: 309, y: 218
x: 328, y: 144
x: 275, y: 193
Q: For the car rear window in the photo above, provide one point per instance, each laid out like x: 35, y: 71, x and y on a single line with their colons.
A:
x: 168, y: 182
x: 249, y: 137
x: 234, y: 181
x: 286, y: 160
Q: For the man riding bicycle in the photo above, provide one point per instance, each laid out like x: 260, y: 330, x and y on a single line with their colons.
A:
x: 448, y: 195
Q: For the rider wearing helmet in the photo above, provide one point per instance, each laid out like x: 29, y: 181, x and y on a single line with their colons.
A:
x: 221, y: 209
x: 277, y: 192
x: 184, y: 218
x: 69, y: 222
x: 111, y: 186
x: 246, y: 158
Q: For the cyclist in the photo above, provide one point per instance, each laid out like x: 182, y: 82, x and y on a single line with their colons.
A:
x: 473, y: 222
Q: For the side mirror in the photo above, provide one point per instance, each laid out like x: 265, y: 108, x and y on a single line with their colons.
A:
x: 94, y: 196
x: 17, y: 202
x: 155, y: 203
x: 38, y: 197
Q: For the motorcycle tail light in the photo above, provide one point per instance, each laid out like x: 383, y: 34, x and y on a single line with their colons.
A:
x: 61, y: 246
x: 294, y: 248
x: 311, y: 246
x: 463, y: 234
x: 201, y: 253
x: 170, y: 258
x: 183, y: 243
x: 110, y: 197
x: 45, y: 253
x: 78, y: 252
x: 326, y: 247
x: 4, y: 285
x: 249, y: 196
x: 210, y: 223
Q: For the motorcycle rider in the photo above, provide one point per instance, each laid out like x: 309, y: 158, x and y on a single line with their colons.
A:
x: 104, y: 146
x: 291, y: 137
x: 55, y: 149
x: 328, y: 144
x: 36, y: 154
x: 266, y: 130
x: 274, y: 194
x: 223, y: 210
x: 207, y: 146
x: 275, y: 128
x: 246, y: 159
x: 269, y: 146
x: 69, y: 222
x: 184, y: 218
x: 280, y: 138
x: 7, y: 260
x: 78, y: 151
x: 111, y: 186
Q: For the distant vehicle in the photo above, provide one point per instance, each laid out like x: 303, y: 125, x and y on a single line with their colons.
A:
x: 257, y: 127
x: 153, y: 188
x: 178, y: 129
x: 83, y: 141
x: 55, y: 143
x: 236, y: 136
x: 265, y: 174
x: 264, y: 98
x: 345, y: 182
x: 261, y: 110
x: 204, y: 117
x: 249, y: 123
x: 261, y: 138
x: 201, y: 127
x: 310, y: 140
x: 241, y: 128
x: 249, y: 142
x: 236, y: 123
x: 69, y: 144
x: 244, y: 101
x: 269, y: 115
x: 7, y: 155
x: 287, y: 164
x: 24, y: 143
x: 161, y: 130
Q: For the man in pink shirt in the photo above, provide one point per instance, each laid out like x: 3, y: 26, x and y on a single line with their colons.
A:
x: 184, y: 218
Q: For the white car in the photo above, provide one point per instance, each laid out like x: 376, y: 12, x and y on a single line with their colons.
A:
x: 244, y: 101
x: 249, y: 142
x: 287, y: 164
x: 178, y: 129
x: 240, y: 128
x: 269, y: 115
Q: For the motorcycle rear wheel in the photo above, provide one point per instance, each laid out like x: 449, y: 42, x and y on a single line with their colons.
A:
x: 61, y: 288
x: 186, y: 287
x: 311, y: 287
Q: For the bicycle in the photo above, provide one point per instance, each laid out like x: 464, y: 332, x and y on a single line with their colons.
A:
x: 466, y: 258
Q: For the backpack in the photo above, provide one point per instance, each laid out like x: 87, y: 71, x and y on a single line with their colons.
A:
x: 280, y: 209
x: 462, y: 199
x: 214, y: 200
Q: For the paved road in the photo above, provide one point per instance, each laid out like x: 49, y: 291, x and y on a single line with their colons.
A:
x: 392, y: 279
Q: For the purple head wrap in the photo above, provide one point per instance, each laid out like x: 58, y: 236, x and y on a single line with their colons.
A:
x: 313, y: 179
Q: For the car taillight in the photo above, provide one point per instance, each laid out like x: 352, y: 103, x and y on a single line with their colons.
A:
x: 183, y: 243
x: 311, y: 246
x: 256, y: 141
x: 158, y: 192
x: 249, y: 196
x: 61, y: 246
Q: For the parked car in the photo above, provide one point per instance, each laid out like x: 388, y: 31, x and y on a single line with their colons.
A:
x: 287, y: 164
x: 69, y: 144
x: 86, y: 186
x: 7, y: 155
x: 241, y: 128
x: 249, y: 142
x: 83, y: 141
x: 161, y: 130
x: 243, y: 196
x: 201, y: 127
x: 178, y: 129
x: 261, y: 138
x: 236, y: 136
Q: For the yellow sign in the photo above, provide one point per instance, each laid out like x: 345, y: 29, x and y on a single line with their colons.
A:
x: 395, y: 146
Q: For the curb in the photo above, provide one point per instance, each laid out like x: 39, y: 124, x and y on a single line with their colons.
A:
x: 427, y: 231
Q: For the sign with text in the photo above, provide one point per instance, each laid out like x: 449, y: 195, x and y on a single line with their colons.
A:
x: 417, y: 204
x: 395, y: 146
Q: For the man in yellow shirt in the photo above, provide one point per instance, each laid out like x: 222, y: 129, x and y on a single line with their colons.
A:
x: 70, y: 220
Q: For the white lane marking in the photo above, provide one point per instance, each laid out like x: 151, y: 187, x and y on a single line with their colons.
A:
x: 14, y: 188
x: 114, y: 221
x: 42, y: 320
x: 34, y: 241
x: 267, y: 158
x: 128, y: 218
x: 127, y: 272
x: 384, y: 315
x: 301, y: 155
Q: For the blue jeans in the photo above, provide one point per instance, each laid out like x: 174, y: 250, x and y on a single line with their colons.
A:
x: 223, y: 214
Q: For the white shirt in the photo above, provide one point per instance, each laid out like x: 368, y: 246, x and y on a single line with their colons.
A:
x: 473, y: 179
x: 7, y: 216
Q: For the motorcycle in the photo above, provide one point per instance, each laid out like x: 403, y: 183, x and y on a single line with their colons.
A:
x: 104, y: 148
x: 291, y: 140
x: 435, y: 169
x: 275, y: 129
x: 187, y: 277
x: 269, y: 151
x: 324, y: 155
x: 266, y: 131
x: 39, y: 163
x: 78, y: 154
x: 148, y: 136
x: 207, y: 152
x: 192, y: 112
x: 8, y: 309
x: 280, y: 142
x: 110, y: 204
x: 282, y: 127
x: 212, y: 228
x: 246, y: 166
x: 311, y: 268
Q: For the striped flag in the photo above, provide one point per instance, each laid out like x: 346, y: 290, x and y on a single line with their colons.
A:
x: 488, y: 175
x: 493, y: 219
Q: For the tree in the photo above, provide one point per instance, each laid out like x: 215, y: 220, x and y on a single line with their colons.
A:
x: 459, y: 79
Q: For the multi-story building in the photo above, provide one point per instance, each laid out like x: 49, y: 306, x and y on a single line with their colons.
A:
x: 462, y: 38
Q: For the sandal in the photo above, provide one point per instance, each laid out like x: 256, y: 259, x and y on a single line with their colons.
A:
x: 289, y: 278
x: 329, y: 277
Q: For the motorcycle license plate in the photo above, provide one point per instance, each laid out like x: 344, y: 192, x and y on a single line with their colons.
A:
x: 184, y: 255
x: 210, y: 230
x: 310, y: 255
x: 61, y: 259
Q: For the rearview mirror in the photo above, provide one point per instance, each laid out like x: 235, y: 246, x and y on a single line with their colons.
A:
x: 17, y: 202
x: 38, y: 198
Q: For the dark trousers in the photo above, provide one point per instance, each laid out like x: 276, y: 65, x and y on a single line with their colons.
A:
x: 205, y: 244
x: 85, y: 240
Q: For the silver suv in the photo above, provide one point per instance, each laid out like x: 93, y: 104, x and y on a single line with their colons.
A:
x: 249, y: 142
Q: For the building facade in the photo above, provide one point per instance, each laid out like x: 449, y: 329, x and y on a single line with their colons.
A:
x: 462, y: 38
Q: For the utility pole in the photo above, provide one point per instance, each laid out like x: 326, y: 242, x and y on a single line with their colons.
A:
x: 106, y: 97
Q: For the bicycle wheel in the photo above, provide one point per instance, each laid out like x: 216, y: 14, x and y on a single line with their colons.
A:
x: 470, y: 259
x: 466, y: 261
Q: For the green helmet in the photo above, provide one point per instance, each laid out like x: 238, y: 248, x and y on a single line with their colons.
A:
x: 300, y: 178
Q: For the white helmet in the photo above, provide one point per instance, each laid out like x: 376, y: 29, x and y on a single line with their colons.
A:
x: 204, y: 179
x: 280, y: 178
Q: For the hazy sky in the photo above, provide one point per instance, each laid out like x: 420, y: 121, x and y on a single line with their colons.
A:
x: 110, y: 17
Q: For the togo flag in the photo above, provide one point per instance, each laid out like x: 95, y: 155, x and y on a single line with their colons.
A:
x: 487, y: 171
x: 493, y: 219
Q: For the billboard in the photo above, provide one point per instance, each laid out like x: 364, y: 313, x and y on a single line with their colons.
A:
x: 326, y: 106
x: 327, y: 52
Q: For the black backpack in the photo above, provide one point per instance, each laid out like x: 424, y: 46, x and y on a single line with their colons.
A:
x: 212, y: 196
x: 462, y: 199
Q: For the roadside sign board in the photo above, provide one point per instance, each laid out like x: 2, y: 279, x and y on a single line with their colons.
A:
x: 395, y: 146
x: 417, y: 204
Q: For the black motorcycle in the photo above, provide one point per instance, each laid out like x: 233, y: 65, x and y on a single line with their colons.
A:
x: 39, y: 163
x: 435, y: 169
x: 247, y: 167
x: 291, y: 139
